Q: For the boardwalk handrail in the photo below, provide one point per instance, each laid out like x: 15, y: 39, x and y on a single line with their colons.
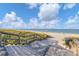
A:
x: 11, y: 34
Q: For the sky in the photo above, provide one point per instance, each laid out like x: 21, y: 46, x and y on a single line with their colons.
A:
x: 39, y: 15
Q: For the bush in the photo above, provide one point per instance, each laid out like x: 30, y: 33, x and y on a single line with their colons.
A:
x: 12, y: 38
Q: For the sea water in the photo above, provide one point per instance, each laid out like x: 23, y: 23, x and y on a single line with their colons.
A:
x: 74, y: 31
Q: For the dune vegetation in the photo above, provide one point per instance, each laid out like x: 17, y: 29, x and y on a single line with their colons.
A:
x: 72, y: 43
x: 20, y: 37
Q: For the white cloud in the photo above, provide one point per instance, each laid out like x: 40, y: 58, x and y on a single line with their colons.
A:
x: 32, y: 5
x: 73, y: 19
x: 48, y: 11
x: 47, y: 17
x: 49, y: 24
x: 12, y: 21
x: 69, y: 5
x: 10, y: 17
x: 72, y: 22
x: 0, y: 22
x: 35, y: 24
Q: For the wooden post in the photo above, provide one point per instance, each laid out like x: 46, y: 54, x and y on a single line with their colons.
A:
x: 19, y: 39
x: 0, y: 38
x: 76, y: 50
x: 76, y: 42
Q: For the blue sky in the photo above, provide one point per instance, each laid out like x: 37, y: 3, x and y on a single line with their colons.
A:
x: 22, y: 10
x: 39, y: 16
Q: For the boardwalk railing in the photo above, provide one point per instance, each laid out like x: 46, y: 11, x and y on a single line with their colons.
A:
x: 5, y: 39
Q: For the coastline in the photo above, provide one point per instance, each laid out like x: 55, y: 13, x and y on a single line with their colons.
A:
x: 56, y: 35
x: 47, y: 46
x: 59, y: 38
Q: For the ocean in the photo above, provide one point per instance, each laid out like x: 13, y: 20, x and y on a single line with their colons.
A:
x: 74, y: 31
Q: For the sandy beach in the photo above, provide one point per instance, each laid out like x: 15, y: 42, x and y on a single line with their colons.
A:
x: 56, y: 36
x: 53, y: 45
x: 59, y: 38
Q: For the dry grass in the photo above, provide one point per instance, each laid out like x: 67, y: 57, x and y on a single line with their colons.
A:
x: 60, y: 38
x: 26, y: 37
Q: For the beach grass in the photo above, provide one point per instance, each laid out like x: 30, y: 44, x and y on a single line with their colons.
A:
x: 20, y: 37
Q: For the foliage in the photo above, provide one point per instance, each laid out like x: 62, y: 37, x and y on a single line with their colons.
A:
x: 20, y: 37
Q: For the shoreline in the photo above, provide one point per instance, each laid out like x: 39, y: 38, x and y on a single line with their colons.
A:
x: 54, y: 36
x: 59, y: 38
